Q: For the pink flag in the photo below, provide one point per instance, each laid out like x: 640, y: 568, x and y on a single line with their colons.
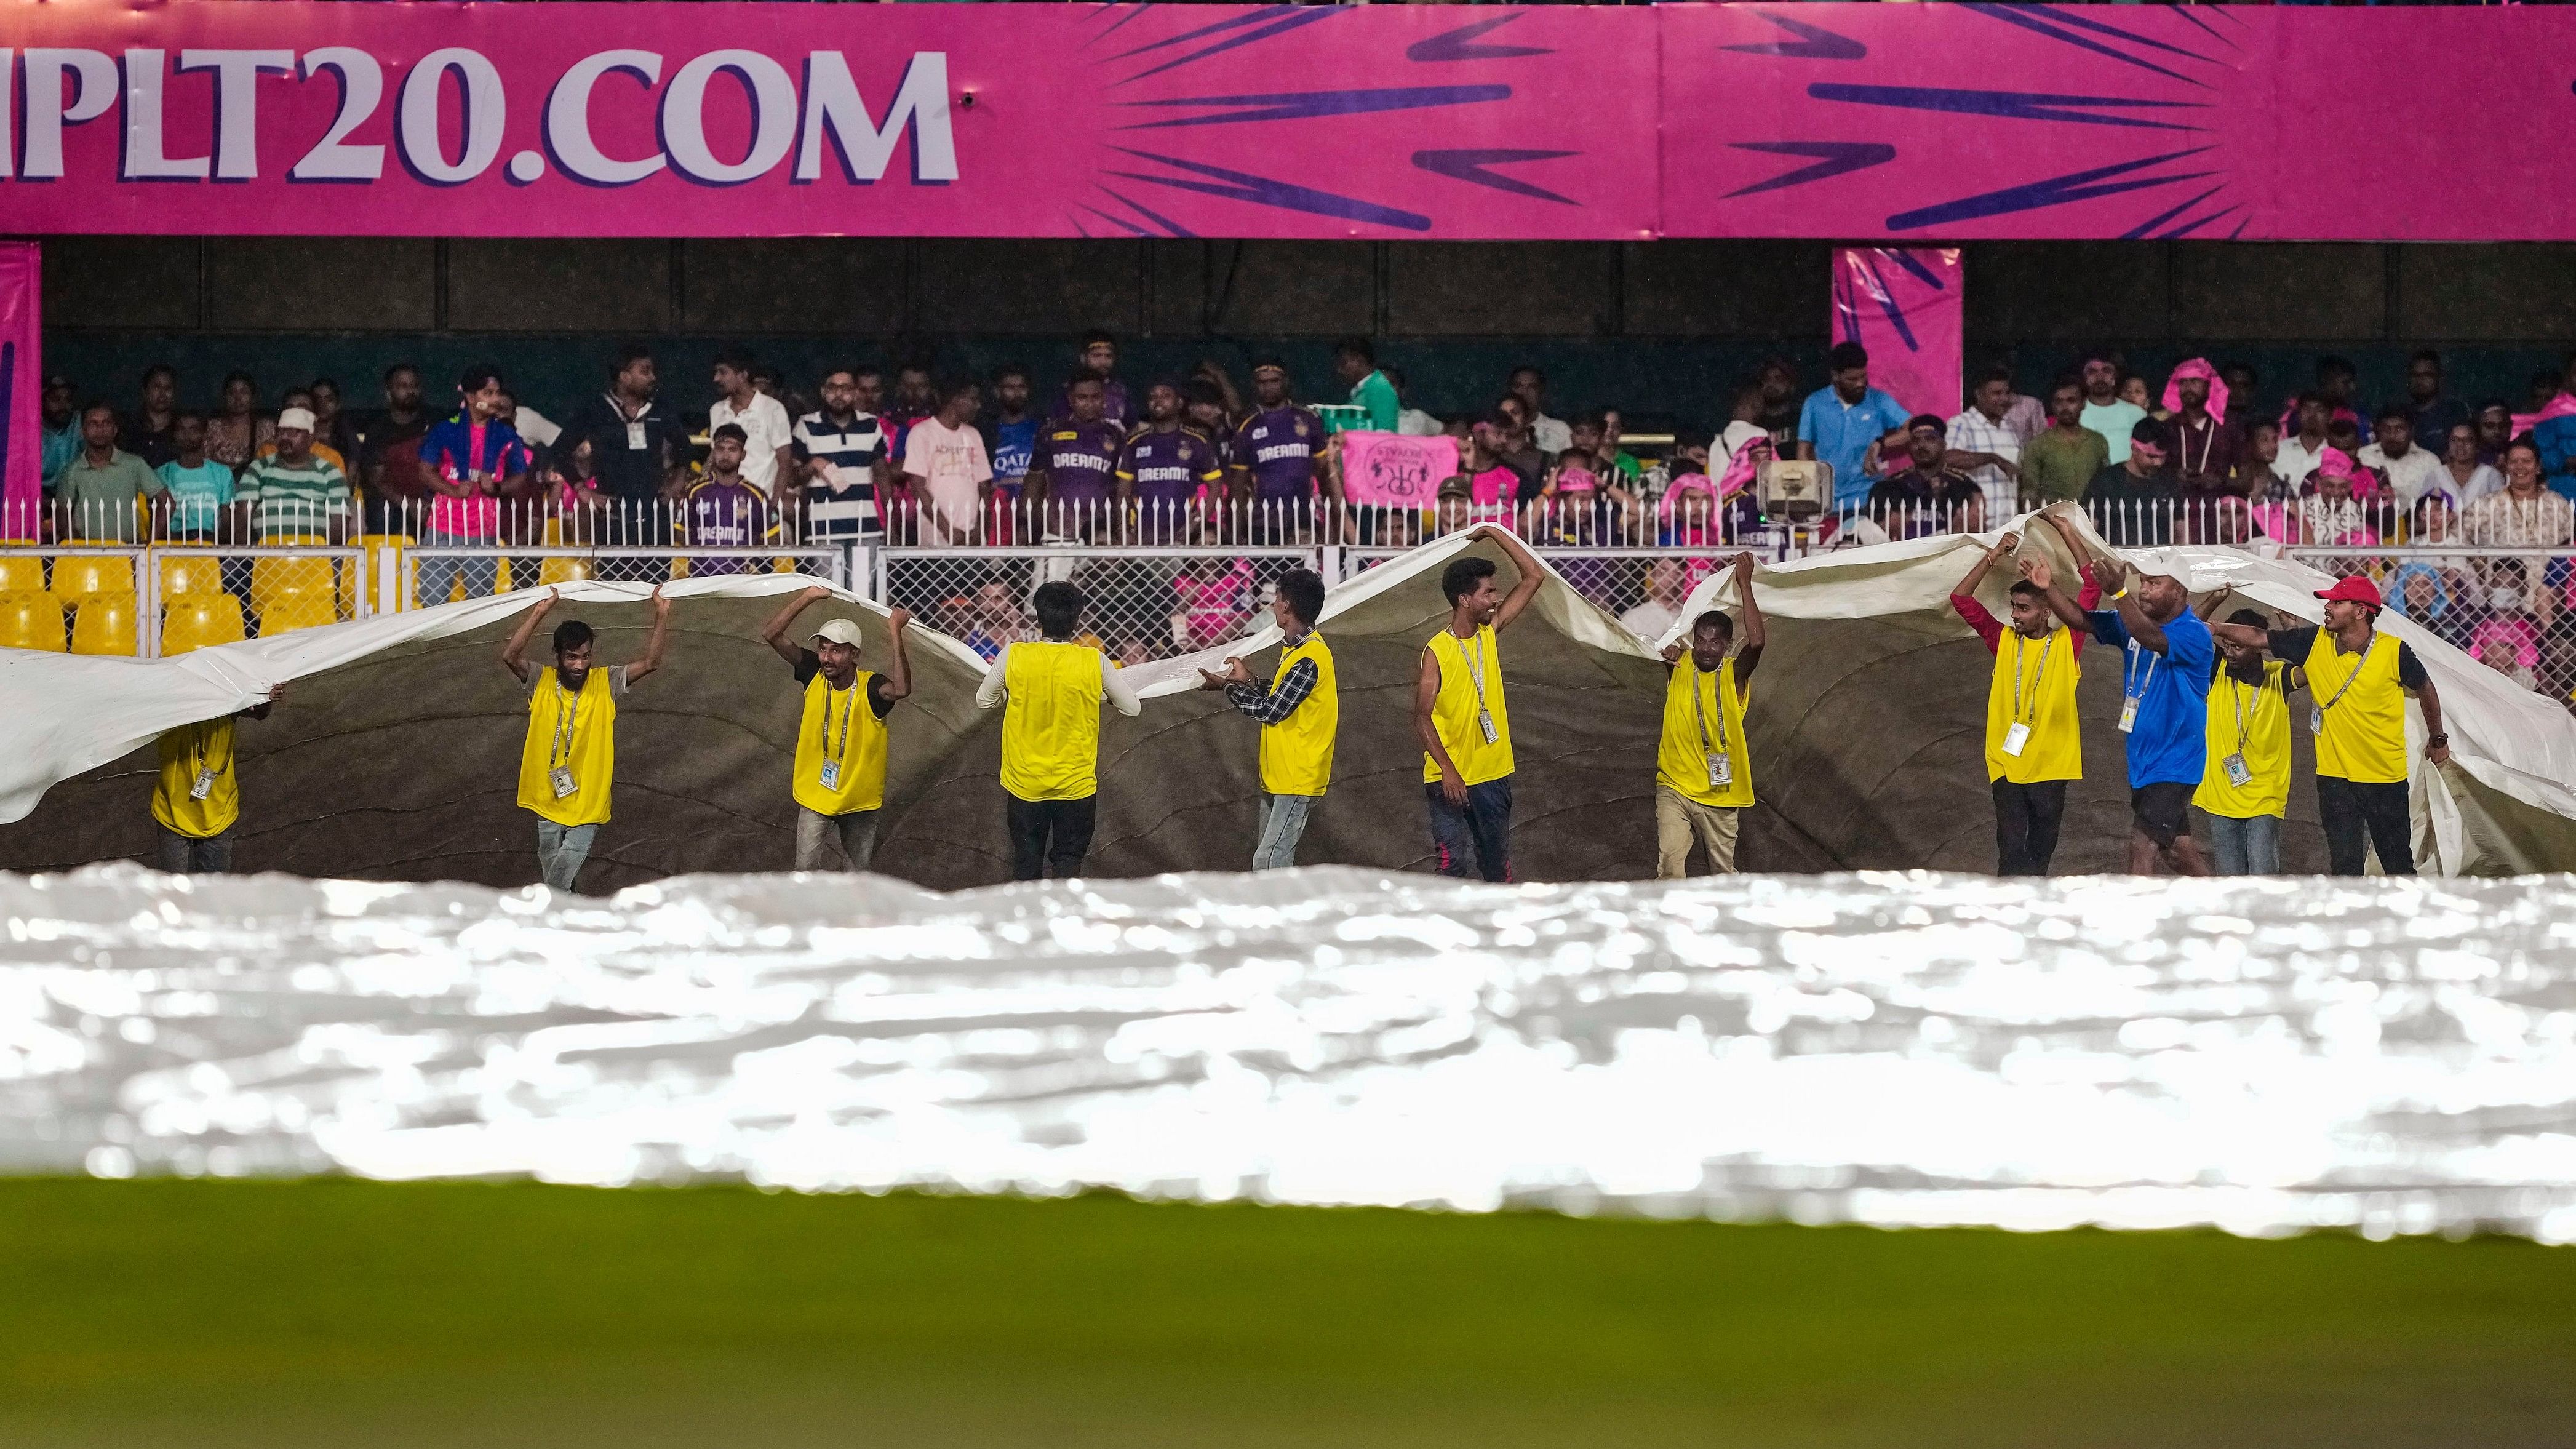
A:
x: 1396, y: 471
x: 22, y: 486
x: 1903, y: 304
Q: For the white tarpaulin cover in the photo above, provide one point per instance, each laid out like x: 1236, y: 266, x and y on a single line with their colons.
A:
x: 2504, y: 807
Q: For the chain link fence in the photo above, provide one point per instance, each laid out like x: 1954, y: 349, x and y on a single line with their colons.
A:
x: 1143, y: 603
x: 2513, y: 610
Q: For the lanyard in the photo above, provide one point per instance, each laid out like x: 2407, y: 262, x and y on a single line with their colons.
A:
x: 567, y: 709
x: 2130, y: 672
x: 1700, y: 711
x: 2236, y: 692
x: 1475, y: 666
x: 2360, y: 658
x: 830, y: 750
x: 2045, y: 646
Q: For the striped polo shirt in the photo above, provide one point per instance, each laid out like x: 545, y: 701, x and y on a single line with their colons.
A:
x: 294, y: 500
x: 844, y: 506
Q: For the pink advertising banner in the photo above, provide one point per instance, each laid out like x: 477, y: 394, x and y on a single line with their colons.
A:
x: 1901, y: 124
x: 1910, y: 123
x: 745, y: 119
x: 21, y: 391
x: 1904, y: 305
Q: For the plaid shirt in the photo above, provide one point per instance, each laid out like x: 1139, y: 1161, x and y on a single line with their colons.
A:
x: 1973, y: 432
x: 1271, y: 706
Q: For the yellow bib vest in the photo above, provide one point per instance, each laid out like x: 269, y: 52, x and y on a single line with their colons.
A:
x: 2251, y: 721
x: 1470, y: 671
x: 2364, y: 739
x: 2034, y: 685
x: 569, y: 731
x: 842, y: 730
x: 1051, y: 724
x: 1297, y: 752
x: 1703, y: 721
x: 185, y: 752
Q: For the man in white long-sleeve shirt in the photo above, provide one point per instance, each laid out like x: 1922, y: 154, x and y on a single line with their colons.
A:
x: 1051, y: 734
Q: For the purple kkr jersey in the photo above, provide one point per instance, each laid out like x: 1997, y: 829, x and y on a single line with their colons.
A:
x: 1279, y: 446
x: 1078, y: 458
x: 726, y: 515
x: 1169, y: 466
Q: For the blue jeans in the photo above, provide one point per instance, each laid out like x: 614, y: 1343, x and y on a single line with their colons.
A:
x: 561, y: 849
x: 1283, y: 820
x: 433, y: 577
x: 1483, y: 826
x: 2245, y: 847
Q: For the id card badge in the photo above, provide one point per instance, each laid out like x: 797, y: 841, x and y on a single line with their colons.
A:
x: 2128, y: 713
x: 563, y: 781
x: 203, y: 785
x: 2316, y: 719
x: 831, y: 774
x: 1485, y: 722
x: 635, y: 437
x: 1721, y: 771
x: 2239, y: 774
x: 2016, y: 740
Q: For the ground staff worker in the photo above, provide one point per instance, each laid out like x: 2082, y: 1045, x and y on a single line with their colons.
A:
x: 840, y: 771
x: 2034, y: 739
x: 2247, y: 789
x: 2358, y: 680
x: 195, y: 799
x: 2164, y: 709
x: 1703, y: 772
x: 570, y: 755
x: 1300, y: 713
x: 1460, y: 717
x: 1051, y: 735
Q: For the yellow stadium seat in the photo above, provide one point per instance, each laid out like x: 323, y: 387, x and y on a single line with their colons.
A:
x: 554, y: 571
x: 199, y: 620
x: 274, y: 578
x: 79, y: 576
x: 104, y: 625
x: 185, y: 574
x: 500, y: 577
x: 679, y: 568
x: 31, y: 621
x: 297, y: 611
x: 22, y: 574
x: 782, y: 566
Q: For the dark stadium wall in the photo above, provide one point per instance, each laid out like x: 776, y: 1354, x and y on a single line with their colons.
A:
x: 1662, y: 328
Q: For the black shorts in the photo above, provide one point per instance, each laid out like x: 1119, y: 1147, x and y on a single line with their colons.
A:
x: 2157, y: 811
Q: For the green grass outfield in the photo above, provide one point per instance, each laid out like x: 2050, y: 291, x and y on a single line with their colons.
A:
x: 335, y: 1312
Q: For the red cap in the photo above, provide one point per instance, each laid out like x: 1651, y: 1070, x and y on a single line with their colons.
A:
x: 2353, y: 589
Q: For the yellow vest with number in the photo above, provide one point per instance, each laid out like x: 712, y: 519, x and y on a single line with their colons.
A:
x: 2364, y: 740
x: 1704, y: 716
x: 207, y: 744
x: 1051, y: 724
x: 2254, y: 720
x: 2046, y: 669
x: 589, y: 747
x: 1453, y: 712
x: 840, y: 726
x: 1297, y: 752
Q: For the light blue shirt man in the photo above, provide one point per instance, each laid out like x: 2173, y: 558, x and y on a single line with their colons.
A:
x: 1840, y: 432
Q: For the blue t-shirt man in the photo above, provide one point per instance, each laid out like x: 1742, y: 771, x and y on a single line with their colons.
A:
x: 1840, y: 431
x: 2164, y: 706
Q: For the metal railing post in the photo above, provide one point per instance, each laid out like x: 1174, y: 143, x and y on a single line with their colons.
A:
x: 147, y: 610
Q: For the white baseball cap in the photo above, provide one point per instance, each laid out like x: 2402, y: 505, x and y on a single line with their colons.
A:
x: 296, y: 418
x: 839, y: 631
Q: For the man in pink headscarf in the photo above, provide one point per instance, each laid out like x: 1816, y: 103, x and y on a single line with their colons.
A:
x: 2203, y: 447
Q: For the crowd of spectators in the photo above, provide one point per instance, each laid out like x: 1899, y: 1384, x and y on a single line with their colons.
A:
x: 861, y: 455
